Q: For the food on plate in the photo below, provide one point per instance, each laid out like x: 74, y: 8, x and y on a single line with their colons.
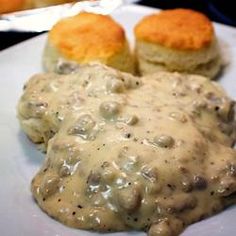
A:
x: 12, y: 5
x: 151, y: 153
x: 87, y: 37
x: 177, y: 40
x: 7, y: 6
x: 45, y: 3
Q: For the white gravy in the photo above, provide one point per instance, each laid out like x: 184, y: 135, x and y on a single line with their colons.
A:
x: 152, y: 153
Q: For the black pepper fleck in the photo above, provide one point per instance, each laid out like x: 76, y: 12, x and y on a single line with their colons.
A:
x: 79, y: 206
x: 172, y: 187
x: 199, y: 182
x: 73, y: 213
x: 128, y: 135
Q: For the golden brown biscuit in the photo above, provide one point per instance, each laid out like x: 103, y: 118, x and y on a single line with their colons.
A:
x: 182, y: 29
x: 177, y: 40
x: 88, y: 37
x: 44, y: 3
x: 7, y: 6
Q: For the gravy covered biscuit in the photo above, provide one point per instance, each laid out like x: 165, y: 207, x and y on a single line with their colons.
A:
x: 152, y: 153
x: 177, y: 40
x: 88, y: 37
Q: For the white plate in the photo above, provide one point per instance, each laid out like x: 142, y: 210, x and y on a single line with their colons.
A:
x: 19, y: 160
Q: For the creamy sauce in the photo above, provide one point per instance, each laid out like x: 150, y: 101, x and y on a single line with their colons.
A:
x: 152, y: 153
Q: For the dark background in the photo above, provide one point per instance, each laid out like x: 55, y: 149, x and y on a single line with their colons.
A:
x: 223, y: 11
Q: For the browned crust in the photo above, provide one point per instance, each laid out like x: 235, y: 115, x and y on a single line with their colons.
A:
x: 182, y: 29
x: 11, y: 5
x: 87, y: 36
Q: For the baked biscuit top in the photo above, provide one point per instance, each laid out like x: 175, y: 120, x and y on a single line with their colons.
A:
x: 87, y: 36
x: 7, y: 6
x: 182, y: 29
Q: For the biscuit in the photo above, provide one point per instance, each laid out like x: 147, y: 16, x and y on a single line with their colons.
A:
x: 45, y: 3
x: 7, y: 6
x: 177, y: 40
x: 88, y: 37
